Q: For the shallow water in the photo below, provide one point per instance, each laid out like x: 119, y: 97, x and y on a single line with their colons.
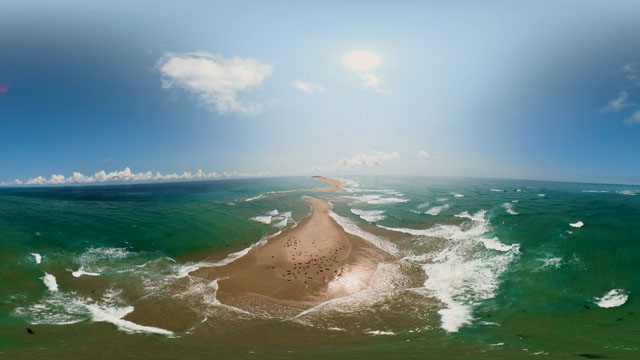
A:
x: 484, y: 269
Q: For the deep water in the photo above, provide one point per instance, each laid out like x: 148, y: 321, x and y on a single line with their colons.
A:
x: 484, y: 269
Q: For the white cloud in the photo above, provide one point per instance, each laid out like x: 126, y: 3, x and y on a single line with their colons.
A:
x: 362, y: 160
x: 372, y: 82
x: 619, y: 102
x: 423, y: 154
x: 634, y: 119
x: 308, y: 87
x: 214, y: 79
x: 631, y: 72
x: 126, y: 176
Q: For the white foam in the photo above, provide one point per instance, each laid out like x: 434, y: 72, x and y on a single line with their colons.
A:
x: 437, y: 210
x: 50, y: 282
x: 103, y: 253
x: 257, y: 197
x: 62, y: 308
x: 334, y: 328
x: 369, y: 215
x: 457, y: 195
x: 353, y: 229
x: 577, y: 224
x: 595, y: 191
x: 509, y: 208
x: 614, y: 298
x: 283, y: 219
x: 462, y: 274
x: 497, y: 190
x: 274, y: 215
x: 542, y: 195
x: 379, y: 332
x: 81, y: 272
x: 479, y: 216
x: 56, y: 308
x: 495, y: 244
x: 265, y: 219
x: 442, y: 199
x: 627, y: 192
x: 554, y: 262
x: 515, y: 201
x: 37, y: 257
x: 423, y: 205
x: 350, y: 185
x: 375, y: 199
x: 115, y: 315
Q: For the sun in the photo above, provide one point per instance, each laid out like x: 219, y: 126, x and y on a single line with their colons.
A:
x: 361, y: 60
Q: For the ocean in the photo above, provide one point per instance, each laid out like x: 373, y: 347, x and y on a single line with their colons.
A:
x: 484, y: 269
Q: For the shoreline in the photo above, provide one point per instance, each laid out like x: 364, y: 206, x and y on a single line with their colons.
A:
x: 335, y: 184
x: 314, y: 261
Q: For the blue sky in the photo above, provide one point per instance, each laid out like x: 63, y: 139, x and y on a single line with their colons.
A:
x: 494, y: 89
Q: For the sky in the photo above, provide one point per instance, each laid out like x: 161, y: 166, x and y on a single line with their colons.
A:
x: 95, y: 92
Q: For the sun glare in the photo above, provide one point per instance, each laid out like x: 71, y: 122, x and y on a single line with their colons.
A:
x: 361, y: 60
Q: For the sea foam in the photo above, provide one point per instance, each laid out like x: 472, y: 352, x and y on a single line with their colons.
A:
x: 50, y: 282
x: 60, y: 308
x: 614, y: 298
x: 369, y: 215
x: 81, y: 272
x: 353, y: 229
x: 437, y: 210
x: 108, y: 310
x: 462, y: 273
x: 577, y: 224
x: 375, y: 199
x: 37, y: 257
x: 274, y: 215
x: 509, y: 208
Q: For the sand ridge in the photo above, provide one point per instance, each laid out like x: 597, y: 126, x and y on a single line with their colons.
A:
x: 313, y: 262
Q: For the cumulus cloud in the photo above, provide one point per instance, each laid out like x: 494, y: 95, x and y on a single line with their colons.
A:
x: 308, y: 87
x: 423, y: 154
x: 363, y: 160
x: 127, y: 176
x: 619, y: 103
x: 372, y: 82
x: 216, y: 81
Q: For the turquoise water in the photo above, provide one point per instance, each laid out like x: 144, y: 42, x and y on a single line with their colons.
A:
x: 483, y: 269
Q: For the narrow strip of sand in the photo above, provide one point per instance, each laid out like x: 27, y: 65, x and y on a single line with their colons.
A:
x: 312, y: 262
x: 335, y: 184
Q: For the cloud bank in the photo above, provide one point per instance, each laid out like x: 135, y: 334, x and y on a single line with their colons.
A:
x: 127, y: 176
x: 216, y: 81
x: 363, y: 160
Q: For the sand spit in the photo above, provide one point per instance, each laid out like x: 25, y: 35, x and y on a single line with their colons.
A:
x: 312, y: 262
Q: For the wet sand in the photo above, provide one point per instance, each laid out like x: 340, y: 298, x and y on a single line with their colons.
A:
x: 312, y: 262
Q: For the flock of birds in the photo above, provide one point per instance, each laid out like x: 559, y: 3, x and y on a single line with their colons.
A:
x: 310, y: 267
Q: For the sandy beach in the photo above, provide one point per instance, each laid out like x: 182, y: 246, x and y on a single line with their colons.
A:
x: 335, y: 184
x: 312, y: 262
